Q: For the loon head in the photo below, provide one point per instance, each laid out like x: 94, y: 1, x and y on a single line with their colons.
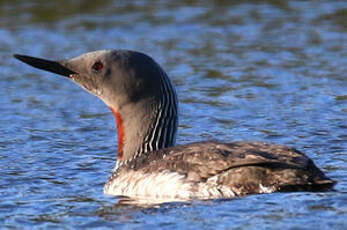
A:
x: 133, y: 86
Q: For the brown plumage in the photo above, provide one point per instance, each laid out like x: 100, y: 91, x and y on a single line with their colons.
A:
x: 241, y: 166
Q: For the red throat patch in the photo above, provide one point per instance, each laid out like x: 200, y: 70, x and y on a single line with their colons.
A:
x: 121, y: 133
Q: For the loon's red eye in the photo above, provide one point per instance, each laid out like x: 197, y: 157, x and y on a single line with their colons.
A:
x: 97, y: 66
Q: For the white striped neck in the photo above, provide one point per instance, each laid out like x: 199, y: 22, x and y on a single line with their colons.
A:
x: 149, y: 124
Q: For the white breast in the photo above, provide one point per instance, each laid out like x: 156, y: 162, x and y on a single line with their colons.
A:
x: 159, y: 184
x: 164, y: 185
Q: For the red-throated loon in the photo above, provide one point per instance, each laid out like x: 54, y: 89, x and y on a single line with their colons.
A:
x: 144, y: 104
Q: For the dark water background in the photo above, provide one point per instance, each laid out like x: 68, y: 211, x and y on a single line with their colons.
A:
x: 273, y: 71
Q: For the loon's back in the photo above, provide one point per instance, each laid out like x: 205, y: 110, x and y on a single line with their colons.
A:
x: 211, y: 169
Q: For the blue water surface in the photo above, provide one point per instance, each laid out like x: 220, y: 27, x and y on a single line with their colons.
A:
x: 273, y: 71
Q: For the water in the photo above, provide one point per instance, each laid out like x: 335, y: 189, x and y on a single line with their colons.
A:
x: 273, y: 71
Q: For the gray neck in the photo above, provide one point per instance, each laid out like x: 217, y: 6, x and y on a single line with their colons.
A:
x: 150, y: 124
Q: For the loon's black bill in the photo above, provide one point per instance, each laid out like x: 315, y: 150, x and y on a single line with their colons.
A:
x: 51, y: 66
